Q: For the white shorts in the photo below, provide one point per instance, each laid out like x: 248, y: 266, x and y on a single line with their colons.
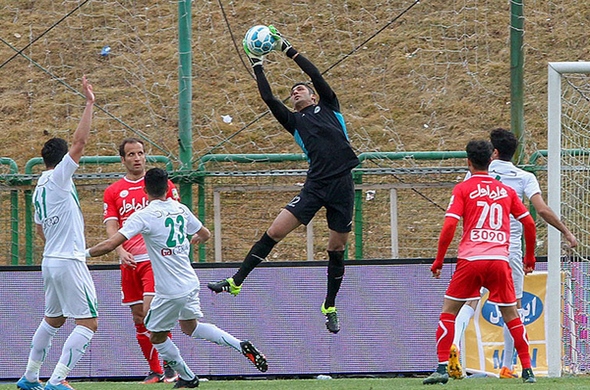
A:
x: 69, y: 289
x: 517, y: 274
x: 165, y: 312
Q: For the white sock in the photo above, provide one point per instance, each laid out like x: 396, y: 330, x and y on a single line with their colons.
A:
x: 461, y: 323
x: 508, y: 348
x: 40, y: 346
x: 213, y: 333
x: 73, y: 349
x: 169, y: 352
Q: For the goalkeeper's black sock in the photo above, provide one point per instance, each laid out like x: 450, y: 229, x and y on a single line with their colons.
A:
x: 335, y: 275
x: 257, y: 253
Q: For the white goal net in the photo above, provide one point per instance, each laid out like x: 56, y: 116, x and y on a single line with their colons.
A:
x: 568, y: 165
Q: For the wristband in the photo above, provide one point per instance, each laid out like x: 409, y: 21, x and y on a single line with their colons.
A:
x: 291, y: 52
x: 87, y: 253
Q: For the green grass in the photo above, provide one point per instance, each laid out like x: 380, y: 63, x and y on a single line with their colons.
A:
x: 345, y: 384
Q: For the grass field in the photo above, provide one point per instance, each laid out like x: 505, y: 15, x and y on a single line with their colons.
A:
x: 345, y: 384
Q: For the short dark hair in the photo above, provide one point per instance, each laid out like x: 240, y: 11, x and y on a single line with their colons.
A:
x: 53, y: 151
x: 505, y: 142
x: 479, y: 152
x: 306, y: 85
x: 156, y: 182
x: 126, y: 141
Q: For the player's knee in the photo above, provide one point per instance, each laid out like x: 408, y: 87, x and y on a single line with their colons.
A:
x: 158, y: 337
x: 188, y: 326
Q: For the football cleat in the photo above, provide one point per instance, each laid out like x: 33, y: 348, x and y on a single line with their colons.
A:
x: 170, y: 375
x: 528, y: 376
x: 63, y: 385
x: 436, y: 377
x: 24, y: 384
x: 258, y: 359
x: 225, y: 285
x: 153, y: 377
x: 183, y: 384
x: 332, y: 322
x: 455, y: 370
x: 506, y: 373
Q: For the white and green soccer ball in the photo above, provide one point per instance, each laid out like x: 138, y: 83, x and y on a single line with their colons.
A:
x: 259, y: 40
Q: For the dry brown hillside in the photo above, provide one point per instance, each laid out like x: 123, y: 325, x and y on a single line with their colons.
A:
x: 433, y: 79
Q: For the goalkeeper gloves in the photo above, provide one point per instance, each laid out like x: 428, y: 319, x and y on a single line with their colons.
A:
x: 254, y: 59
x: 281, y: 43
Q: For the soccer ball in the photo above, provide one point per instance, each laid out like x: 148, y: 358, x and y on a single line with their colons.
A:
x: 259, y: 41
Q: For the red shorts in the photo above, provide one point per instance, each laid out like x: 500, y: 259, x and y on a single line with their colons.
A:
x: 135, y: 283
x: 471, y: 276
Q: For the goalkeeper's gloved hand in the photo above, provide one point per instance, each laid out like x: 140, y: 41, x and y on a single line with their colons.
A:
x: 254, y: 59
x: 280, y: 43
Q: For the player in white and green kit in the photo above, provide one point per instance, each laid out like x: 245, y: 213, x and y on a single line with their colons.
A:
x: 69, y: 289
x: 165, y: 225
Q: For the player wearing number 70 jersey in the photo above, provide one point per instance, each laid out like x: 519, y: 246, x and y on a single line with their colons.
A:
x: 485, y: 205
x: 165, y: 225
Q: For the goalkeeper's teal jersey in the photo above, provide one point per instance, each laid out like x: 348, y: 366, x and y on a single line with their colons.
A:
x: 57, y: 210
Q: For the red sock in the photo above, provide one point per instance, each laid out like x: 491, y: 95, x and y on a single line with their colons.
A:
x: 521, y: 341
x: 445, y: 332
x: 149, y: 352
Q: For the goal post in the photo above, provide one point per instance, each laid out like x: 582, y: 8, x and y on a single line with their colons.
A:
x: 567, y: 179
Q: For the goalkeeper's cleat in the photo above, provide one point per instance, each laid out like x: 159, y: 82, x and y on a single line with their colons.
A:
x: 170, y: 375
x: 435, y: 378
x: 258, y: 359
x: 528, y: 376
x: 24, y: 384
x: 332, y: 322
x: 280, y: 42
x: 506, y: 373
x: 153, y: 377
x: 455, y: 370
x: 184, y: 384
x: 63, y: 385
x: 225, y: 285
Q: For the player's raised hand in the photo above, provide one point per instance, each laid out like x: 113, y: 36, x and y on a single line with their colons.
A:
x: 280, y: 42
x: 87, y: 89
x: 254, y: 59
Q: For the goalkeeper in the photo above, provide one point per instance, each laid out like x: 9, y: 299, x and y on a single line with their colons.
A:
x: 319, y: 129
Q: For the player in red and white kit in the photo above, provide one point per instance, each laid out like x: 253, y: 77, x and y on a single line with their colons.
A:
x: 485, y: 205
x: 121, y: 199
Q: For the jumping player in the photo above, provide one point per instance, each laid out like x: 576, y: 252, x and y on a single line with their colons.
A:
x: 319, y: 129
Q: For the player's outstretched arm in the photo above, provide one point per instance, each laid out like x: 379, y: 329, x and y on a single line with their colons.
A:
x: 83, y: 131
x: 106, y: 246
x: 551, y: 218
